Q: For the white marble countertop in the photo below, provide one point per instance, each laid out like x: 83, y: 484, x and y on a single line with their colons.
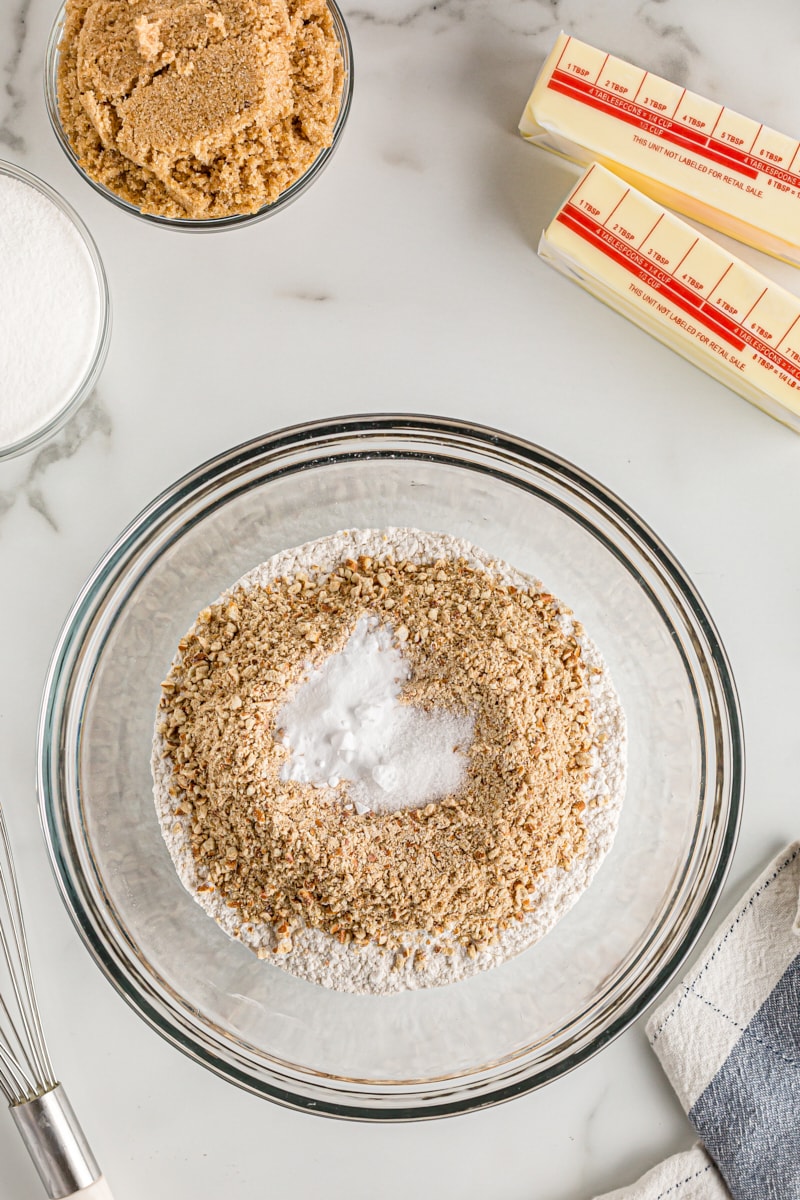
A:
x: 406, y: 279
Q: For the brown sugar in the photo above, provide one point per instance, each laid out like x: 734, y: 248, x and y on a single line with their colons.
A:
x: 201, y: 108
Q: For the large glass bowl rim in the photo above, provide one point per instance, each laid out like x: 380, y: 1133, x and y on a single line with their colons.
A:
x: 313, y: 437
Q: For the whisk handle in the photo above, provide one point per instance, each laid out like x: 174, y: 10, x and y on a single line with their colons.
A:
x: 58, y: 1147
x: 95, y: 1191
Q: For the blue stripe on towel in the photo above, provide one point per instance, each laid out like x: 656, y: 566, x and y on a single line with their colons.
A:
x: 749, y: 1115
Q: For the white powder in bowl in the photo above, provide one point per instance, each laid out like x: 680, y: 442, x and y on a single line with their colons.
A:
x: 51, y: 307
x: 319, y: 957
x: 346, y: 722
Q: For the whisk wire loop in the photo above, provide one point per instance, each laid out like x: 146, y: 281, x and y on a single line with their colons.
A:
x: 25, y: 1067
x: 39, y: 1105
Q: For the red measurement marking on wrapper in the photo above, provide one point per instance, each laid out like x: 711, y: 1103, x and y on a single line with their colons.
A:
x: 664, y: 125
x: 581, y: 217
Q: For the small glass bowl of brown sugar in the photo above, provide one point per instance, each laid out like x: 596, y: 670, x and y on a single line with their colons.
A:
x: 201, y: 186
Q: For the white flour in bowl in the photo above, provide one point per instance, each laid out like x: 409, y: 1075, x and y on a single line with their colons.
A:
x: 425, y: 960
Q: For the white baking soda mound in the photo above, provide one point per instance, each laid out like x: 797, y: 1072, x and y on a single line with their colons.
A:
x: 346, y: 722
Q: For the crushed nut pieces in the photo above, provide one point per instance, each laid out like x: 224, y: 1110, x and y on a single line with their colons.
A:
x: 289, y: 855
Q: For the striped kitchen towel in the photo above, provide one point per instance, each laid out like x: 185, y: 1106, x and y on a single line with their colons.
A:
x: 689, y: 1176
x: 729, y: 1039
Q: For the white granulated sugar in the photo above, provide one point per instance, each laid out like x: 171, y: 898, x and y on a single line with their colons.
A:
x: 345, y: 721
x: 317, y: 956
x: 51, y: 310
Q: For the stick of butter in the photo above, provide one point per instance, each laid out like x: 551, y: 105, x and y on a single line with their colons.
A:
x: 689, y: 153
x: 682, y: 287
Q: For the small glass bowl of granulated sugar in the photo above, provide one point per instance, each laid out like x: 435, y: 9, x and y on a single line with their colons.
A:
x: 56, y: 311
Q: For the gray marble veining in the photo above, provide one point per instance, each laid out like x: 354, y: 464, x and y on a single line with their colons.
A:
x: 13, y: 32
x: 30, y: 483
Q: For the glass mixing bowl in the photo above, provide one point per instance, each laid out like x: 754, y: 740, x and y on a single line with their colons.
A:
x: 190, y: 224
x: 441, y: 1050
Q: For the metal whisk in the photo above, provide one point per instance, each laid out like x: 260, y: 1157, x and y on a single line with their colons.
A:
x: 38, y: 1103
